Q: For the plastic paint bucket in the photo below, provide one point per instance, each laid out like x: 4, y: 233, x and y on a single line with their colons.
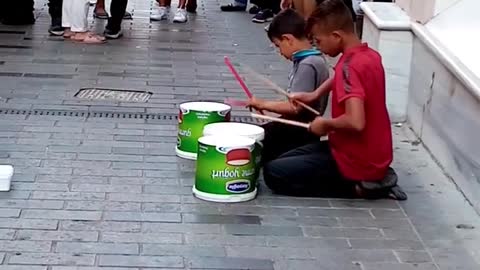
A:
x: 225, y: 169
x: 193, y: 116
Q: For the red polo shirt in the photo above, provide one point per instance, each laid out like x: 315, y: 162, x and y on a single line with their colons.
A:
x: 362, y: 155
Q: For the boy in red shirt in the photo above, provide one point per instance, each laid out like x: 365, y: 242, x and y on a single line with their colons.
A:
x: 355, y: 161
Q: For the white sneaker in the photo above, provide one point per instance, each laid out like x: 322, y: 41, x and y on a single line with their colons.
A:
x: 180, y: 16
x: 160, y: 13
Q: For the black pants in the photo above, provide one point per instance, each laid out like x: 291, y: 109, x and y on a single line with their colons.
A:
x: 307, y: 171
x: 17, y: 12
x: 281, y: 138
x: 55, y: 9
x: 117, y: 10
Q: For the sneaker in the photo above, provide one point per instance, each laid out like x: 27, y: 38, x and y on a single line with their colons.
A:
x: 56, y: 28
x: 180, y: 16
x: 127, y: 16
x: 160, y: 13
x: 113, y: 34
x: 232, y: 8
x: 263, y: 16
x: 254, y: 10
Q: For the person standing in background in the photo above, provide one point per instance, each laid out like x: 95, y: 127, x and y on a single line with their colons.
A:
x: 17, y: 12
x: 75, y: 23
x: 101, y: 13
x: 161, y: 11
x: 113, y: 30
x: 55, y: 11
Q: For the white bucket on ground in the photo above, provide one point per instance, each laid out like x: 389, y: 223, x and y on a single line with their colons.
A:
x: 6, y: 173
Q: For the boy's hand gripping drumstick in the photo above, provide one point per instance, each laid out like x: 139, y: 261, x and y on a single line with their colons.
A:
x: 278, y: 89
x: 280, y: 120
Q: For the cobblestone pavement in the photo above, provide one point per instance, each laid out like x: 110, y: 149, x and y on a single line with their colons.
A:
x: 105, y: 190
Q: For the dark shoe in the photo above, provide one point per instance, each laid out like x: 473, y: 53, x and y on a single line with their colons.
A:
x: 113, y: 34
x: 56, y: 28
x: 127, y: 16
x: 385, y: 189
x: 254, y: 10
x: 233, y: 8
x: 263, y: 16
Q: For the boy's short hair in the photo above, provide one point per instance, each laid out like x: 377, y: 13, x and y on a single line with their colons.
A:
x: 331, y: 15
x: 287, y: 22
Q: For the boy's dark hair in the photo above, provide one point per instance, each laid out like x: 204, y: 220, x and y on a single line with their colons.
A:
x: 331, y: 15
x: 287, y: 22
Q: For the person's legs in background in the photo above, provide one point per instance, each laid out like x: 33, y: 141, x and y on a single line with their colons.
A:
x: 99, y: 12
x: 17, y: 12
x: 55, y: 11
x: 181, y: 14
x: 237, y: 5
x: 160, y: 10
x: 192, y: 6
x: 113, y: 30
x: 74, y: 16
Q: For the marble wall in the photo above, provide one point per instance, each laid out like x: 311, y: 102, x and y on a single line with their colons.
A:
x: 444, y: 115
x: 423, y: 10
x: 396, y: 50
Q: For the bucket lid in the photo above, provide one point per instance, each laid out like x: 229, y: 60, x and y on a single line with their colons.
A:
x: 230, y: 141
x: 231, y: 128
x: 205, y: 106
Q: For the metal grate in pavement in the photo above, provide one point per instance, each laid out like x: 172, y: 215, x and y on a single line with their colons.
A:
x: 113, y: 94
x: 114, y: 115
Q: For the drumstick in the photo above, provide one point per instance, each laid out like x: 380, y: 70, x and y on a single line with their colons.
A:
x: 237, y: 76
x: 278, y: 89
x: 235, y: 102
x: 280, y: 120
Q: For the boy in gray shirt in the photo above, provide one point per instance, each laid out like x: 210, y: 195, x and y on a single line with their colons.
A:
x: 309, y: 71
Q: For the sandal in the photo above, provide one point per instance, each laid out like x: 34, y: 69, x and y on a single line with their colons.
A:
x: 88, y: 38
x: 101, y: 16
x: 68, y: 33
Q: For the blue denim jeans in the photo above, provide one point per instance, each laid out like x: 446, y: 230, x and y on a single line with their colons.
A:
x: 241, y: 3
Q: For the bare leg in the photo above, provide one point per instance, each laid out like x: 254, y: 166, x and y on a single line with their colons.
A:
x: 100, y: 7
x: 182, y: 4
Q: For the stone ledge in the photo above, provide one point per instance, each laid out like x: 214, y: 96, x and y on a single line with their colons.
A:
x: 387, y: 16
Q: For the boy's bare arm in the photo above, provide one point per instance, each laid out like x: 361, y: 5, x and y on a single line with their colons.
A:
x: 279, y: 107
x: 312, y: 97
x: 353, y: 119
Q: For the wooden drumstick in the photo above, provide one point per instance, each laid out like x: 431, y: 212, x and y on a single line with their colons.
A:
x: 277, y: 88
x: 280, y: 120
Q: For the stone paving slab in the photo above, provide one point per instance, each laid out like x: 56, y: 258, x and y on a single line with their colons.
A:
x: 102, y: 193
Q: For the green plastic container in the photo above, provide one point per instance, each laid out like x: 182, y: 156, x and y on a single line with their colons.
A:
x: 193, y: 116
x: 225, y: 169
x: 240, y: 129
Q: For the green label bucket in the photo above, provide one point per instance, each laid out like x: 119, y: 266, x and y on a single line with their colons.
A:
x: 225, y: 169
x: 240, y: 129
x: 193, y: 116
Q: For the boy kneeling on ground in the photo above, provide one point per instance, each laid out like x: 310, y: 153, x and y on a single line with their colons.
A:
x: 355, y: 161
x: 309, y: 71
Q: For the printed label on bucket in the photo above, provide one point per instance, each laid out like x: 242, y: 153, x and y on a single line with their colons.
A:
x: 225, y: 171
x: 190, y: 126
